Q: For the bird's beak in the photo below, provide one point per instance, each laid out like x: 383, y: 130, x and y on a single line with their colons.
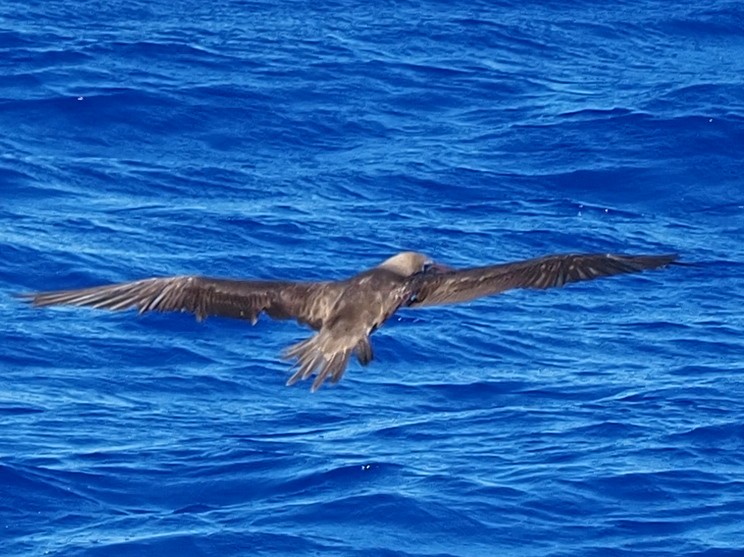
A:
x: 438, y: 268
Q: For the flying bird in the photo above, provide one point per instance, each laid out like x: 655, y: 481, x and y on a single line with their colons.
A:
x: 344, y: 313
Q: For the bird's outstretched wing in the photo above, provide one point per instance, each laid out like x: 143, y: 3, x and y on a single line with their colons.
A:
x: 304, y: 301
x: 543, y: 272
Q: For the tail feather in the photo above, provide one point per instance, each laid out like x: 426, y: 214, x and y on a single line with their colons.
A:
x: 322, y: 354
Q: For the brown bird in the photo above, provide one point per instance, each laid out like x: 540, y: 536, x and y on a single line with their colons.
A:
x: 346, y: 312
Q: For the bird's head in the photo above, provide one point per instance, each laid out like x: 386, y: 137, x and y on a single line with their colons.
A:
x: 408, y: 263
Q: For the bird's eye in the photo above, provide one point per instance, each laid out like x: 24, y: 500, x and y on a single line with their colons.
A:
x: 427, y: 266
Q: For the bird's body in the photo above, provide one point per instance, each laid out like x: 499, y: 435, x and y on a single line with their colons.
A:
x: 345, y: 313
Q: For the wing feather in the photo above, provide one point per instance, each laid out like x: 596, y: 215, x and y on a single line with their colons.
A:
x: 543, y: 272
x: 202, y: 296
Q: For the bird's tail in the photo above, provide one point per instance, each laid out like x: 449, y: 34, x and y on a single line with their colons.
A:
x: 327, y: 355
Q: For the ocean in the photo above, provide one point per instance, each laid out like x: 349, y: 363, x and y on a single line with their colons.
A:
x: 309, y: 140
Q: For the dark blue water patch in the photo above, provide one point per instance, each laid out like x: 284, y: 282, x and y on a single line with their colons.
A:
x: 727, y: 437
x: 37, y: 491
x: 236, y: 540
x: 715, y: 100
x: 13, y: 410
x: 719, y: 23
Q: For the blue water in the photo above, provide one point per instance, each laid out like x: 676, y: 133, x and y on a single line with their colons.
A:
x: 309, y: 140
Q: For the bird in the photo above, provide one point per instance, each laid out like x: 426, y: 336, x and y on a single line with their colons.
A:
x: 344, y: 313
